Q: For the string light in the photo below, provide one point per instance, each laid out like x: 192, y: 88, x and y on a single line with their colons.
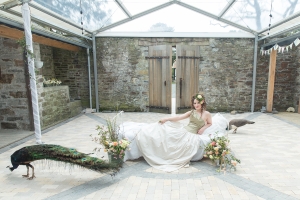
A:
x: 270, y: 17
x: 81, y: 18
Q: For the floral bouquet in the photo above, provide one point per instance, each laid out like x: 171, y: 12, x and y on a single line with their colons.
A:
x: 108, y: 136
x: 117, y: 148
x: 218, y: 150
x: 51, y: 82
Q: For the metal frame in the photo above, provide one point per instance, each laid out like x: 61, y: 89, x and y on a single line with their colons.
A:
x: 44, y: 33
x: 130, y: 17
x: 281, y: 40
x: 215, y: 17
x: 45, y: 22
x: 135, y: 17
x: 52, y: 14
x: 89, y: 72
x: 121, y: 5
x: 281, y: 22
x: 254, y: 72
x: 11, y: 4
x: 280, y: 32
x: 226, y: 8
x: 183, y: 5
x: 95, y: 73
x: 177, y: 34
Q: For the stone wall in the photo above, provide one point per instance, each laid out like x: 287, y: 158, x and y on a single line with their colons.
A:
x: 287, y: 80
x: 55, y: 105
x: 46, y: 54
x: 225, y: 72
x: 14, y: 112
x: 297, y: 82
x: 72, y: 69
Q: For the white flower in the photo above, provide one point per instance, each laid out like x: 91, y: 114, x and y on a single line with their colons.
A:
x: 199, y: 96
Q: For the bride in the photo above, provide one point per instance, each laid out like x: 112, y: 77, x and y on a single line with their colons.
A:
x: 168, y: 145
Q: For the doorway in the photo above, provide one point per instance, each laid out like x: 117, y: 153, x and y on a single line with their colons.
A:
x: 173, y: 77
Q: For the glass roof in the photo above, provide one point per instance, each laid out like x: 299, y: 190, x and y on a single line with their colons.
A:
x: 186, y: 21
x: 98, y: 16
x: 95, y: 13
x: 256, y: 14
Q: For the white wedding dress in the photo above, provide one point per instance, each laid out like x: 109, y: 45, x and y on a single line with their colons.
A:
x: 170, y: 146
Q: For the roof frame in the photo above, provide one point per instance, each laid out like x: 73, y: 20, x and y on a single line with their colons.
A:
x: 281, y: 22
x: 215, y: 17
x: 121, y: 5
x: 219, y: 17
x: 226, y: 8
x: 135, y: 16
x: 47, y: 23
x: 44, y: 33
x: 171, y: 2
x: 292, y: 37
x: 52, y: 14
x: 280, y: 32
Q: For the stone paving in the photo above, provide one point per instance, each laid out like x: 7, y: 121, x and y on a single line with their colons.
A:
x: 269, y: 169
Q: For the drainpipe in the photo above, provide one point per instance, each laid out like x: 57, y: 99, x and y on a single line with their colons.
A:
x: 95, y: 73
x: 89, y: 71
x: 254, y: 72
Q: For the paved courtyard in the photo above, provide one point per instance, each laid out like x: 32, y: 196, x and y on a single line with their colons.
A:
x: 269, y: 153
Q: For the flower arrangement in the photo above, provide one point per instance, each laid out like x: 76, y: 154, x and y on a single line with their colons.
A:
x: 108, y: 136
x: 218, y: 150
x: 51, y: 82
x: 117, y: 148
x: 199, y: 98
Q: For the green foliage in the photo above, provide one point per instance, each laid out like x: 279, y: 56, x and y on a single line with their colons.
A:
x: 22, y: 43
x: 108, y: 136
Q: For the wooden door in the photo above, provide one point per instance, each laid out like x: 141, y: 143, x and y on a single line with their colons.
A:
x: 187, y: 75
x: 160, y: 78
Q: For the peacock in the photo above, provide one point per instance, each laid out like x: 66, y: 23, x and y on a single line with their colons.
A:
x: 235, y: 123
x: 28, y: 154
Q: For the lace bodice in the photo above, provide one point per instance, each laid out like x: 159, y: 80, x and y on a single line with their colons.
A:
x: 196, y: 122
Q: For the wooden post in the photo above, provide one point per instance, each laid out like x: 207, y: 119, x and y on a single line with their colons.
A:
x: 271, y: 80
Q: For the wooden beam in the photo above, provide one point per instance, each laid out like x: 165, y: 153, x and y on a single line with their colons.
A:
x: 271, y: 80
x: 16, y: 34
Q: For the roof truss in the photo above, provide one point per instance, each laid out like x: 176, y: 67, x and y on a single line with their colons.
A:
x: 11, y: 3
x: 178, y: 2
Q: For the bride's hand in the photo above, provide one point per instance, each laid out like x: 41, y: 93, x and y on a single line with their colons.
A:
x: 162, y: 121
x: 200, y: 131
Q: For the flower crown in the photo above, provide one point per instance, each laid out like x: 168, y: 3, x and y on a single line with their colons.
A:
x: 199, y: 98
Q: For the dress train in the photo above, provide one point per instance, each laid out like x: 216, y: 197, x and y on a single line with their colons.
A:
x: 169, y: 146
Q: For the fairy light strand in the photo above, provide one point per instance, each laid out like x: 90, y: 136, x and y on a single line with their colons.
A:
x: 81, y: 13
x: 270, y: 17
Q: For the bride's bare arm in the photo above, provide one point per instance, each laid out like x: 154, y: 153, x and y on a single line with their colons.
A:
x: 176, y: 118
x: 208, y: 123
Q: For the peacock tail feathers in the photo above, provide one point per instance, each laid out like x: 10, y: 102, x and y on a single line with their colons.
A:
x: 62, y: 154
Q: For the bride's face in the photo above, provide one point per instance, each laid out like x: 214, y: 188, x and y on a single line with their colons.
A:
x: 197, y: 104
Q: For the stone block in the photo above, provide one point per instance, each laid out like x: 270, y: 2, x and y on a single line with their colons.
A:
x: 14, y: 118
x: 6, y: 78
x: 7, y: 125
x: 6, y: 111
